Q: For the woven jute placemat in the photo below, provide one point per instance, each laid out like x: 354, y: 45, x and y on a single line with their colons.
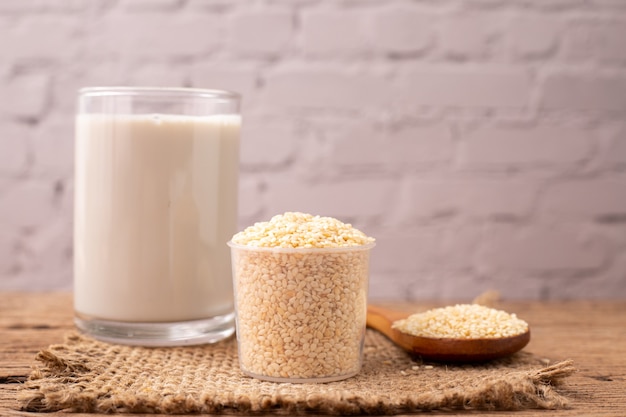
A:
x: 85, y: 375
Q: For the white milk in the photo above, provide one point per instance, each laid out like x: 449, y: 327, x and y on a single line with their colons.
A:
x: 156, y: 203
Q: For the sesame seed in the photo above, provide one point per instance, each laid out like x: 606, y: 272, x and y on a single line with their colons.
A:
x: 462, y: 321
x: 318, y: 315
x: 301, y: 230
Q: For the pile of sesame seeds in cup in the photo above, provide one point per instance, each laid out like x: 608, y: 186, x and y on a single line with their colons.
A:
x: 462, y: 321
x: 301, y: 298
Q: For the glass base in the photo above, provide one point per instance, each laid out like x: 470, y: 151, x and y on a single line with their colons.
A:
x: 194, y: 332
x: 321, y: 379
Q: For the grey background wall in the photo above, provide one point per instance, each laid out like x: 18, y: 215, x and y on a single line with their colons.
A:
x: 482, y: 142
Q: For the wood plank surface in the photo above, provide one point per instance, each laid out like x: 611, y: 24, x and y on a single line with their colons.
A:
x: 592, y: 333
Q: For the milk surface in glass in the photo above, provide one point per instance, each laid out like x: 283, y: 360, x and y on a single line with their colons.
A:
x: 155, y: 204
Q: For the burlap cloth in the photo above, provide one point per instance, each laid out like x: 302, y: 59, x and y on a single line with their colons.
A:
x: 84, y: 375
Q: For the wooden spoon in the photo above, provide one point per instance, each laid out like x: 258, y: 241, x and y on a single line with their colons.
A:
x: 443, y: 349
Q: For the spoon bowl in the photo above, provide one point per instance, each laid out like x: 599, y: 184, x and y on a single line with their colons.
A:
x: 443, y: 349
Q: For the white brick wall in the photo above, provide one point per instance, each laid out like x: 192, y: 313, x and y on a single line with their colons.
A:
x: 483, y: 142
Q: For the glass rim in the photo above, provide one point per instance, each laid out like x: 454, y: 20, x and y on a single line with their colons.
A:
x: 278, y: 249
x: 158, y: 91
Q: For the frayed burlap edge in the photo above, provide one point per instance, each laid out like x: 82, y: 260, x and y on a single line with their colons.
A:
x: 65, y: 381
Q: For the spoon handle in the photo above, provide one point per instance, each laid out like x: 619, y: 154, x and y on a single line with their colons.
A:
x: 381, y: 319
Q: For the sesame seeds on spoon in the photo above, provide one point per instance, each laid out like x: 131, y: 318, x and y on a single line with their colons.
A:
x: 459, y: 333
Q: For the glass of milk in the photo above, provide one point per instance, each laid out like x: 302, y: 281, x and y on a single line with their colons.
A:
x: 156, y: 178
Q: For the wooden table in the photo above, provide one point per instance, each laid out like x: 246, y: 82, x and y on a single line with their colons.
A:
x: 593, y: 334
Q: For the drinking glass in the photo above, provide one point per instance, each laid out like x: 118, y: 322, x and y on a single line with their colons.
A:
x: 156, y: 179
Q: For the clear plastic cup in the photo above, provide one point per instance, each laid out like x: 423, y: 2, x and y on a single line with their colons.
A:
x: 300, y: 313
